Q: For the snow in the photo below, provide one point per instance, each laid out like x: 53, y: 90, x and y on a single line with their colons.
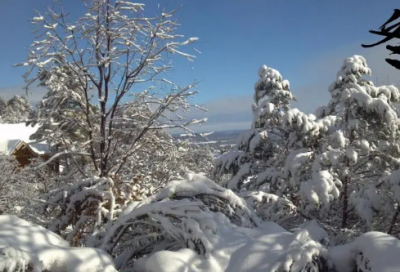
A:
x: 353, y: 65
x: 340, y: 165
x: 23, y: 243
x: 8, y: 146
x: 11, y: 135
x: 294, y: 161
x: 227, y: 160
x: 241, y: 250
x: 245, y: 137
x: 271, y: 248
x: 242, y: 173
x: 172, y: 261
x: 288, y: 167
x: 320, y: 189
x: 352, y: 154
x: 196, y: 184
x: 315, y: 231
x: 372, y: 252
x: 375, y: 105
x: 39, y: 148
x: 187, y: 135
x: 256, y: 140
x: 338, y: 139
x: 270, y: 175
x: 393, y: 181
x: 207, y: 142
x: 38, y: 19
x: 270, y: 206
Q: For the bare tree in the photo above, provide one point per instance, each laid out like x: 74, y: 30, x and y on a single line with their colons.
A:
x: 112, y: 51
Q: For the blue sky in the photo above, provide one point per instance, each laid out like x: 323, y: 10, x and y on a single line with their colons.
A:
x: 305, y: 40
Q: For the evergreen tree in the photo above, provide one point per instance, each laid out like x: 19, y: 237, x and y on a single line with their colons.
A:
x: 15, y: 110
x: 342, y: 176
x: 257, y: 149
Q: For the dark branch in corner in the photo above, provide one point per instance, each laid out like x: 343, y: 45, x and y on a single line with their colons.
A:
x: 389, y: 32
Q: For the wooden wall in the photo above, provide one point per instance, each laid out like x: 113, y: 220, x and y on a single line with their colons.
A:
x: 24, y: 155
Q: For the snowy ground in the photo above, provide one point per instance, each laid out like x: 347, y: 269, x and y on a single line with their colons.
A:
x: 210, y: 240
x: 272, y: 249
x: 25, y: 244
x: 269, y: 247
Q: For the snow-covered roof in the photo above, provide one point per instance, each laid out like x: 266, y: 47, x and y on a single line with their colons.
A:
x: 12, y: 135
x: 39, y: 148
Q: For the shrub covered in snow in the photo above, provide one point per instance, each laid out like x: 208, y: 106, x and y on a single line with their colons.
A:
x: 370, y: 252
x: 238, y: 249
x: 271, y: 207
x: 271, y: 248
x: 20, y: 187
x: 176, y: 217
x: 78, y: 210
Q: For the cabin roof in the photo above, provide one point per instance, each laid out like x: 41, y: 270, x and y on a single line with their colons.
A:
x: 13, y: 135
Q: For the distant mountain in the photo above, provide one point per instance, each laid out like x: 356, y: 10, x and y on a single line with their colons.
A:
x: 223, y: 136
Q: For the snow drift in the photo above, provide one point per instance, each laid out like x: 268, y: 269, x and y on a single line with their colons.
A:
x: 236, y: 249
x: 194, y: 225
x: 23, y: 245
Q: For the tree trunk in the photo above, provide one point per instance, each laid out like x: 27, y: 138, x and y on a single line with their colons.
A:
x: 394, y: 220
x: 345, y: 197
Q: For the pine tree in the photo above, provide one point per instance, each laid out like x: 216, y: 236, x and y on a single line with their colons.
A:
x: 15, y: 110
x: 345, y: 170
x: 258, y: 148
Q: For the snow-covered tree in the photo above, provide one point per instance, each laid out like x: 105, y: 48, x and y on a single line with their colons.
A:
x: 123, y: 52
x: 364, y: 145
x: 3, y: 107
x: 8, y: 166
x: 107, y: 111
x: 62, y: 115
x: 20, y: 187
x: 342, y: 174
x: 15, y: 110
x: 271, y: 97
x: 331, y: 166
x: 259, y: 159
x: 183, y: 211
x: 257, y: 148
x: 20, y: 106
x: 197, y: 158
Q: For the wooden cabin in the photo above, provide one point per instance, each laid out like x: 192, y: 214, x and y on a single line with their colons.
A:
x: 14, y: 141
x: 24, y: 153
